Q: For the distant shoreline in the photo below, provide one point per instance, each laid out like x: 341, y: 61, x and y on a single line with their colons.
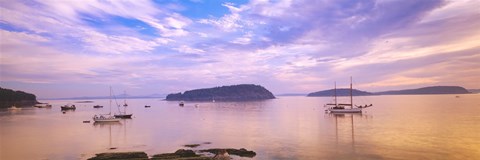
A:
x: 91, y: 98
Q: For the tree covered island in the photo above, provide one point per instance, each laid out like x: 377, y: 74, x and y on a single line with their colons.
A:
x: 241, y: 92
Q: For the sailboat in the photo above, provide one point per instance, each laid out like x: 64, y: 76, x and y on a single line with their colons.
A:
x: 124, y: 113
x: 341, y: 107
x: 106, y: 117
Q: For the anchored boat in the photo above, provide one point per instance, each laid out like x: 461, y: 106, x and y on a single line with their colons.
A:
x: 124, y: 113
x: 345, y: 107
x: 106, y: 117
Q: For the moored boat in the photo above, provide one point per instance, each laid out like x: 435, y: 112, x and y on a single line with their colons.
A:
x: 68, y: 107
x: 97, y: 106
x: 123, y: 114
x: 341, y: 107
x: 106, y: 117
x: 43, y: 105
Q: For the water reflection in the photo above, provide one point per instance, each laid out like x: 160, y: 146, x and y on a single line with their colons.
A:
x: 109, y: 125
x: 284, y: 128
x: 106, y: 124
x: 67, y: 111
x: 345, y: 133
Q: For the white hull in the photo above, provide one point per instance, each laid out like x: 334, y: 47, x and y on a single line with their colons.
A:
x: 105, y: 119
x: 346, y: 110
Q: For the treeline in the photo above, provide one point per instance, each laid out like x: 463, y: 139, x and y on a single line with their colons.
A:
x: 242, y: 92
x: 10, y: 97
x: 339, y: 92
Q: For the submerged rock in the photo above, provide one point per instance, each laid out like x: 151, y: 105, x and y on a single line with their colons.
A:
x: 242, y: 152
x: 191, y: 145
x: 121, y: 155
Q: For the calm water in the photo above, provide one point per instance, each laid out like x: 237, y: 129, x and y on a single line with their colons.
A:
x: 397, y: 127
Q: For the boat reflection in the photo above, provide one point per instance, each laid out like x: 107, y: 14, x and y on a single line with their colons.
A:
x: 66, y: 111
x: 102, y: 126
x: 106, y: 124
x: 345, y: 131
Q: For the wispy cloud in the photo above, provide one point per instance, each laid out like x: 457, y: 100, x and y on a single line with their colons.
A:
x: 288, y: 46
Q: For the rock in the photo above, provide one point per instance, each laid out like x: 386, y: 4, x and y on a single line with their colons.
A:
x: 222, y: 155
x: 180, y: 154
x: 242, y: 152
x: 121, y: 155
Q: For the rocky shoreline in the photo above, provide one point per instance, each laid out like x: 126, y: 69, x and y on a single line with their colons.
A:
x: 180, y: 154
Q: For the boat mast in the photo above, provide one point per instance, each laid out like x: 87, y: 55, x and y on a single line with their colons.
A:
x: 335, y: 84
x: 351, y: 93
x: 125, y: 102
x: 110, y: 104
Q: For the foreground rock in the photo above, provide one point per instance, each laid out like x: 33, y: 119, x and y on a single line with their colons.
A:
x: 242, y: 152
x: 121, y: 155
x: 180, y: 154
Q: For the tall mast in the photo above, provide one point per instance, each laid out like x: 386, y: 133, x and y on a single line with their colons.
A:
x: 335, y: 84
x: 110, y: 104
x: 125, y: 102
x: 351, y: 93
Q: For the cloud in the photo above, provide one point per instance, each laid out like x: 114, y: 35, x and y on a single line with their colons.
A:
x: 290, y: 46
x: 64, y: 20
x: 245, y: 39
x: 187, y: 49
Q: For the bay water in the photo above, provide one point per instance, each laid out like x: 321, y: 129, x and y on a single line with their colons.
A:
x: 396, y: 127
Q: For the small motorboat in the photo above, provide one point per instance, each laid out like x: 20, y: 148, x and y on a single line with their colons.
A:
x: 68, y: 107
x: 43, y: 105
x: 146, y: 106
x: 97, y: 106
x: 181, y: 104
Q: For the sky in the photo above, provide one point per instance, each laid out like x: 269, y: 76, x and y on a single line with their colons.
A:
x: 66, y: 48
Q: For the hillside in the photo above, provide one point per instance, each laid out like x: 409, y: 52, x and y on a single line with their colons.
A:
x: 428, y: 90
x: 242, y: 92
x: 340, y: 92
x: 10, y: 97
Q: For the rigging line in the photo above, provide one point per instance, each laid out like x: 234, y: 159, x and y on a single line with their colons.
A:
x: 116, y: 101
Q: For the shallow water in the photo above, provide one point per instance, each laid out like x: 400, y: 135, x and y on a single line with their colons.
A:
x: 397, y: 127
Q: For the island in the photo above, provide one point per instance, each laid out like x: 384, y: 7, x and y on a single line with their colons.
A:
x: 241, y: 92
x: 340, y: 92
x: 418, y: 91
x: 428, y: 90
x: 10, y: 97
